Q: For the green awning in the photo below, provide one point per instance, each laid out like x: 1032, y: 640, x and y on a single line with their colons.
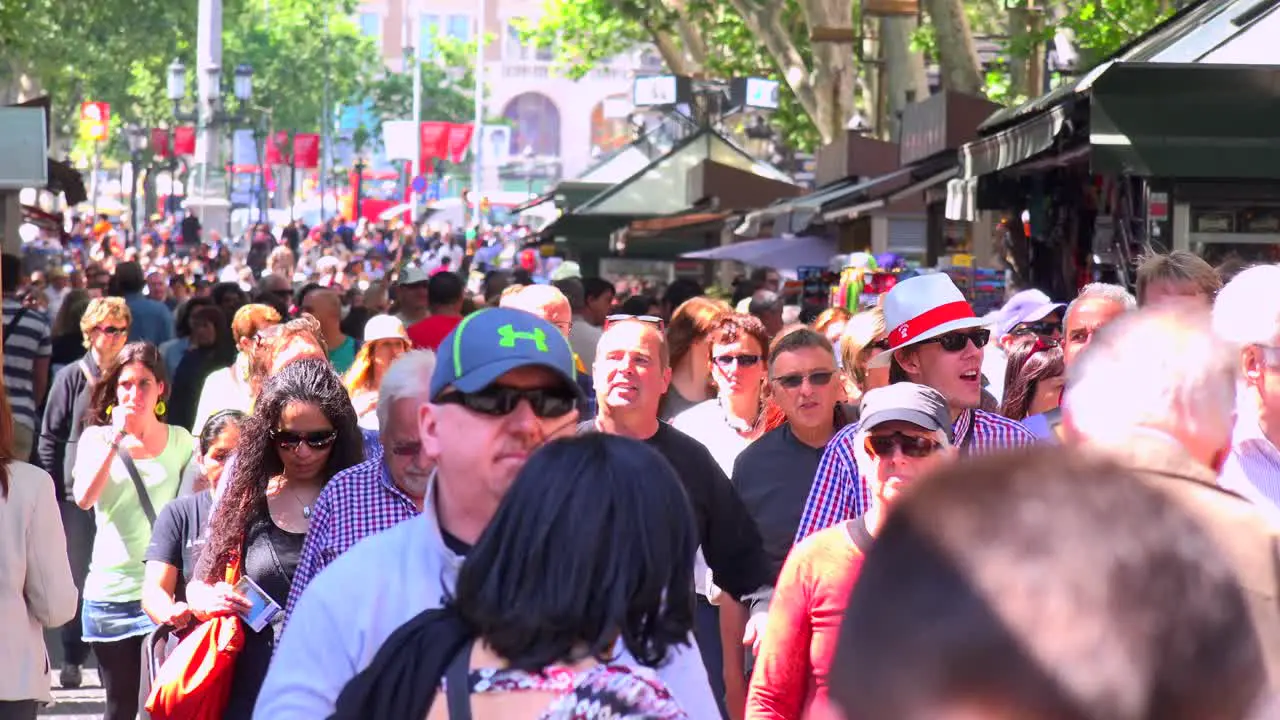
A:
x: 1189, y: 121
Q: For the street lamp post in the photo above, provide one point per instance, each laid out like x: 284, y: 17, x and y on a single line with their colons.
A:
x: 529, y: 161
x: 209, y: 114
x: 138, y: 139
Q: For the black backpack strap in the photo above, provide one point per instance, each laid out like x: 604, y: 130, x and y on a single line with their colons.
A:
x: 17, y: 318
x: 457, y: 684
x: 147, y: 508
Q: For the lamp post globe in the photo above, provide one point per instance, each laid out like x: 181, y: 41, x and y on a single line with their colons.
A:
x: 177, y: 86
x: 213, y: 89
x: 243, y: 87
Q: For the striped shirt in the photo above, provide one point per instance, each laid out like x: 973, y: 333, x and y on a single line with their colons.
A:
x: 839, y: 493
x: 1252, y: 470
x: 26, y: 343
x: 358, y: 502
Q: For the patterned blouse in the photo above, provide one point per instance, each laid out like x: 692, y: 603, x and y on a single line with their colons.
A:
x: 603, y: 692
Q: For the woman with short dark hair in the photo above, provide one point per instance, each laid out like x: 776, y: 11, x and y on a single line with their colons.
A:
x: 539, y: 618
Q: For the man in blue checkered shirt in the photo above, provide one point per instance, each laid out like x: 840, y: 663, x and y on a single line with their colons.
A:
x: 934, y: 340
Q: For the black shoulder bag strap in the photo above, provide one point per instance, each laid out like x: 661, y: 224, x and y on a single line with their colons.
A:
x: 457, y: 684
x: 17, y: 318
x: 147, y: 508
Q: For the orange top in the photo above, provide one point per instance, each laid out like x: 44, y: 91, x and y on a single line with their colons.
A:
x: 790, y: 677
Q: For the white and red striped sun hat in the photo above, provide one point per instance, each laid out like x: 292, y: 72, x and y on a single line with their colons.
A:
x: 922, y: 308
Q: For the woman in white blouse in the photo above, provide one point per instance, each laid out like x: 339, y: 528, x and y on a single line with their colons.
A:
x: 36, y: 589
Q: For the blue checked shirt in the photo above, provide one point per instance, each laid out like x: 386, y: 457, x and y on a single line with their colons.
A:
x: 1252, y: 470
x: 839, y: 494
x: 358, y: 502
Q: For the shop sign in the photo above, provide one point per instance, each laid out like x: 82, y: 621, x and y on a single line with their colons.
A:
x: 1158, y: 206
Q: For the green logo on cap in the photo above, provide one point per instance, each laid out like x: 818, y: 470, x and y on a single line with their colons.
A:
x: 507, y: 337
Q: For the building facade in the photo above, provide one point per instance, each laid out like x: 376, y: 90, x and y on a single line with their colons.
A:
x: 557, y: 125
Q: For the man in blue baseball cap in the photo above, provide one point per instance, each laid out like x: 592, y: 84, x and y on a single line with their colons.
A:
x: 503, y: 385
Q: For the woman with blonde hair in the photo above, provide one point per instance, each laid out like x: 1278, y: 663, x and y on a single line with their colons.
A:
x: 385, y: 340
x: 832, y: 322
x: 864, y: 335
x: 36, y: 588
x: 690, y: 346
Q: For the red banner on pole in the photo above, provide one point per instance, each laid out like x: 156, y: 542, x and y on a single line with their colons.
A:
x: 184, y: 140
x: 160, y: 143
x: 459, y: 140
x: 435, y: 140
x: 95, y: 120
x: 306, y: 151
x: 277, y: 144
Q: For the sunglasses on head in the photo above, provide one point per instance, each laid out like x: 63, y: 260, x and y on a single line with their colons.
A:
x: 741, y: 360
x: 647, y: 319
x: 956, y: 341
x: 818, y: 378
x: 912, y: 446
x: 316, y: 440
x: 1044, y: 327
x: 499, y: 400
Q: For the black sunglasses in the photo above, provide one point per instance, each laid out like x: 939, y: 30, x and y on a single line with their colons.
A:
x: 741, y: 360
x: 499, y: 400
x: 956, y: 341
x: 317, y: 440
x: 820, y: 378
x: 113, y: 331
x: 406, y: 449
x: 1044, y: 327
x: 912, y: 446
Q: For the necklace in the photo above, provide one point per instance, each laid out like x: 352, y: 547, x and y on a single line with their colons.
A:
x: 306, y: 509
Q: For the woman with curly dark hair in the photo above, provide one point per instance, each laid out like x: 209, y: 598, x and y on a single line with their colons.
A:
x: 302, y: 432
x: 124, y: 420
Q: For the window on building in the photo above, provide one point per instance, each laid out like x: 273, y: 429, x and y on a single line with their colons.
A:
x: 371, y: 24
x: 459, y: 27
x: 513, y: 45
x: 428, y: 31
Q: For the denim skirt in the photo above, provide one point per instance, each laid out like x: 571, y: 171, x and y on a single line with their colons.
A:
x: 111, y: 621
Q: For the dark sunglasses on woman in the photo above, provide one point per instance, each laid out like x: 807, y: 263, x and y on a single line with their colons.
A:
x: 820, y: 378
x: 499, y: 400
x: 956, y: 341
x: 745, y: 361
x: 317, y: 440
x: 913, y: 446
x: 1044, y: 328
x: 113, y: 331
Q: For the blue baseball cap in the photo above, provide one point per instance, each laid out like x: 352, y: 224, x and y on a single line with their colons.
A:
x: 490, y: 343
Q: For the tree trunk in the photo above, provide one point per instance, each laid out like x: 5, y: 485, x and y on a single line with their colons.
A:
x: 1019, y: 62
x: 904, y: 77
x: 957, y: 53
x: 834, y: 77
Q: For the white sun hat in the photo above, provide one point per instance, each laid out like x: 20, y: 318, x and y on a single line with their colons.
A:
x: 922, y: 308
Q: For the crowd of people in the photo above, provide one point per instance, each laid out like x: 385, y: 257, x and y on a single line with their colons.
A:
x: 517, y: 499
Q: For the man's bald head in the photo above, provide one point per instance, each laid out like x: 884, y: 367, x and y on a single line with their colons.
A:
x: 545, y: 301
x: 324, y: 304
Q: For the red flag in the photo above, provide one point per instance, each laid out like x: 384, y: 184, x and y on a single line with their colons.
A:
x: 459, y: 140
x: 160, y: 143
x: 306, y: 150
x: 435, y: 140
x: 184, y: 140
x: 274, y: 150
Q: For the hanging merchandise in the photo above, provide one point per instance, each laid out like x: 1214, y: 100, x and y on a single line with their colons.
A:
x: 848, y: 293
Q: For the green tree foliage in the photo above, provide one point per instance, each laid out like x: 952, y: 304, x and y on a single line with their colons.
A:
x: 448, y: 83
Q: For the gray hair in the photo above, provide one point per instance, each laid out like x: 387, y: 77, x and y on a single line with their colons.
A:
x: 408, y: 377
x: 1247, y: 310
x: 1103, y: 291
x: 1154, y: 369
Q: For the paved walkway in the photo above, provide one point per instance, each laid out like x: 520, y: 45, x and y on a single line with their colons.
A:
x: 87, y: 702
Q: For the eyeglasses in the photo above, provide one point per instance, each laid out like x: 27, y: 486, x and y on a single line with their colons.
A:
x: 913, y: 446
x: 500, y: 400
x: 742, y: 361
x: 647, y: 319
x: 317, y: 440
x: 1044, y: 327
x: 112, y: 331
x: 956, y: 341
x: 819, y: 378
x: 406, y: 449
x: 881, y: 344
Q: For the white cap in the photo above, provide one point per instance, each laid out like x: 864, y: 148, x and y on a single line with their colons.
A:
x: 412, y: 275
x: 384, y: 327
